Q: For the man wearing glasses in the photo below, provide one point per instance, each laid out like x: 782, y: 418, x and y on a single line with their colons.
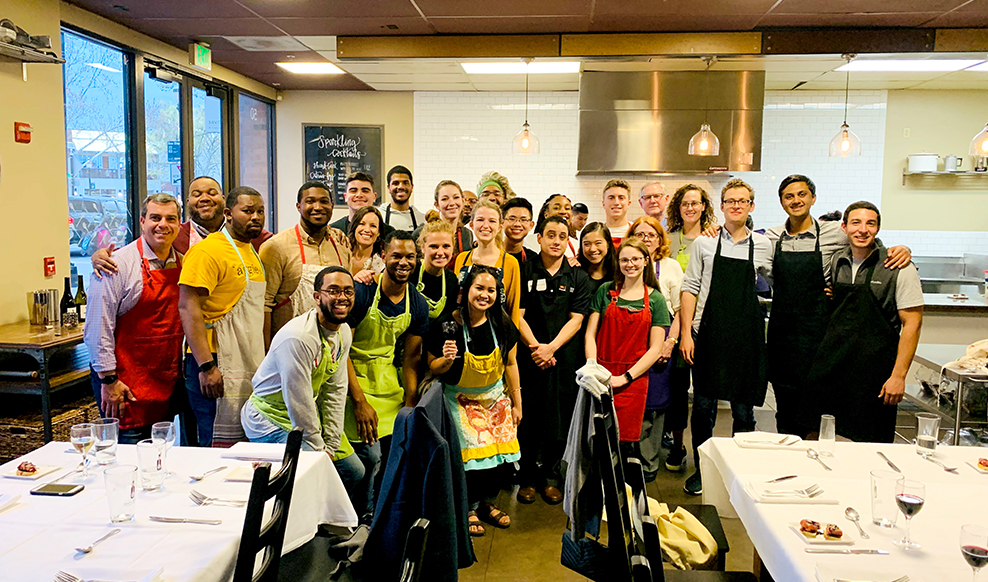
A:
x: 654, y: 199
x: 723, y: 329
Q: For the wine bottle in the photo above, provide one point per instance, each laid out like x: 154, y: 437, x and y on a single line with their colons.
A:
x: 68, y: 303
x: 80, y: 301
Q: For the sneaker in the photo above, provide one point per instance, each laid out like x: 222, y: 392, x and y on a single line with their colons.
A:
x: 694, y: 485
x: 667, y: 441
x: 676, y: 459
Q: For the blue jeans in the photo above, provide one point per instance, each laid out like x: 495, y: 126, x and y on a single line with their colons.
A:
x: 705, y: 416
x: 350, y: 468
x: 371, y: 457
x: 203, y: 407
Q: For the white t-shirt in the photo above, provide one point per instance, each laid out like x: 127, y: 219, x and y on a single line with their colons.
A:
x: 908, y: 288
x: 402, y: 219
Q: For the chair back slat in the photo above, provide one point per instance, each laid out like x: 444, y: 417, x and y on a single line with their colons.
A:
x: 411, y: 567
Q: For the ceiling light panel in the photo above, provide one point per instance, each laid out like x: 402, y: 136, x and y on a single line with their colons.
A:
x: 519, y: 68
x: 982, y: 68
x: 311, y: 68
x: 908, y: 65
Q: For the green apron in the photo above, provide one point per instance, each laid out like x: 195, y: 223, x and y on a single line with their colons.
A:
x: 372, y: 354
x: 435, y: 307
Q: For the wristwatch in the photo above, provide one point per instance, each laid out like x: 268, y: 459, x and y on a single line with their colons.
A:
x: 206, y: 366
x: 627, y: 376
x: 107, y: 380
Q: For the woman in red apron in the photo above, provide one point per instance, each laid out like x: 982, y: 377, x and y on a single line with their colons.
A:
x: 625, y: 334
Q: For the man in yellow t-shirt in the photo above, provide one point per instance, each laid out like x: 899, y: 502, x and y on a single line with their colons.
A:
x: 222, y: 308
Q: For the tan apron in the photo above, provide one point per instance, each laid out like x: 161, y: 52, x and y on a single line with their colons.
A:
x: 303, y: 298
x: 239, y: 351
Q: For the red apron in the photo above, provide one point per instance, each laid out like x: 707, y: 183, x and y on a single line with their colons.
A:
x: 621, y: 342
x: 149, y: 359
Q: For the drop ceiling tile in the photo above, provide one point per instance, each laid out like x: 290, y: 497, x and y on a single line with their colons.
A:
x: 511, y: 25
x: 423, y: 87
x: 288, y: 81
x: 782, y: 65
x: 319, y: 43
x: 860, y: 77
x: 369, y: 26
x: 700, y: 9
x: 792, y: 78
x: 954, y: 84
x: 161, y: 27
x: 674, y: 22
x: 372, y: 79
x: 138, y: 9
x: 240, y: 56
x: 862, y: 6
x: 330, y: 9
x: 434, y: 8
x: 856, y: 86
x: 280, y: 42
x: 857, y: 19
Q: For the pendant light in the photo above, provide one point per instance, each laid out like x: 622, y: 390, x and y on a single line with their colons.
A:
x: 705, y: 142
x: 525, y: 143
x: 845, y: 143
x: 979, y: 145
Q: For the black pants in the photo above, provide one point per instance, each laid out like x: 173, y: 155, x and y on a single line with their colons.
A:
x: 483, y: 485
x: 678, y: 412
x: 541, y: 461
x: 787, y: 416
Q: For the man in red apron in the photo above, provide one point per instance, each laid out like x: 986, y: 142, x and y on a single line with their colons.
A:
x: 293, y: 257
x: 617, y: 200
x: 133, y: 331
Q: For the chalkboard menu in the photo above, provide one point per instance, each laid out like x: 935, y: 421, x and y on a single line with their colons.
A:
x: 332, y: 152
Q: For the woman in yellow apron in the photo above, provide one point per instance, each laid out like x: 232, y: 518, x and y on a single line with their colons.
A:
x: 473, y: 352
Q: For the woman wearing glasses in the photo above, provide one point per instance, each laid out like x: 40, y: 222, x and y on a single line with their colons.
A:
x: 688, y: 215
x: 667, y: 385
x: 625, y: 334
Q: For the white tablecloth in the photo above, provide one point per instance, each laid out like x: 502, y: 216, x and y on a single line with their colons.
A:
x: 951, y: 501
x: 39, y: 533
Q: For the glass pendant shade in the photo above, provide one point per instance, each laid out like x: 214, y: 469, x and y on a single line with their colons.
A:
x: 979, y: 145
x: 845, y: 143
x: 525, y: 142
x: 704, y: 142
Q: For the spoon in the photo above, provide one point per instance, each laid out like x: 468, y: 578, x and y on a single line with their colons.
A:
x: 90, y: 547
x: 811, y: 453
x: 206, y: 474
x: 853, y: 515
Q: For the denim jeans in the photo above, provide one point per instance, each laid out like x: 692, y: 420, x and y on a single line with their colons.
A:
x: 650, y: 442
x: 203, y: 407
x: 374, y: 460
x: 705, y: 416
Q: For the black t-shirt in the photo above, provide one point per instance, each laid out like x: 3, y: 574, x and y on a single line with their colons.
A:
x: 432, y: 288
x: 419, y: 325
x: 481, y: 343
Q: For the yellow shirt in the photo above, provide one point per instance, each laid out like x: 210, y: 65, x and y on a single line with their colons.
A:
x: 214, y: 265
x: 511, y: 280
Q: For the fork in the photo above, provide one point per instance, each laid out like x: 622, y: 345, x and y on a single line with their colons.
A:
x: 945, y: 467
x: 814, y: 488
x: 201, y: 499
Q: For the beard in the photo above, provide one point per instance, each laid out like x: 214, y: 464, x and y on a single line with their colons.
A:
x: 327, y: 313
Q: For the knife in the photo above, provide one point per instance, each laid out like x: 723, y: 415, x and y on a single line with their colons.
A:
x: 781, y: 479
x: 891, y: 464
x: 184, y: 520
x: 843, y: 551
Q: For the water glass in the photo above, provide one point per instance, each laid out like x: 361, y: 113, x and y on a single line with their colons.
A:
x: 927, y: 433
x: 828, y: 435
x: 152, y: 463
x: 107, y: 432
x: 884, y: 484
x: 163, y: 435
x: 121, y: 492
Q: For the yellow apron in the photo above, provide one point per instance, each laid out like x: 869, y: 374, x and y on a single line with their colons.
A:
x: 372, y: 354
x: 482, y: 410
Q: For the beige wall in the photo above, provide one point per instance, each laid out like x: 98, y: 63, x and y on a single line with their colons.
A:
x: 940, y: 122
x: 395, y: 111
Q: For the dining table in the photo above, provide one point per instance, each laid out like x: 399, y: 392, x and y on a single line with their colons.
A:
x: 39, y: 534
x: 737, y: 477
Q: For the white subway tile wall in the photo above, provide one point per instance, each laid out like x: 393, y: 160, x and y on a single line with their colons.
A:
x: 461, y: 135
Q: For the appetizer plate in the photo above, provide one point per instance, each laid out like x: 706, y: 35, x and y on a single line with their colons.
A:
x: 978, y: 467
x: 819, y: 540
x: 41, y: 472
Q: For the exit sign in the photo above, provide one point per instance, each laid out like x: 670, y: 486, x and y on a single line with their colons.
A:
x: 200, y: 56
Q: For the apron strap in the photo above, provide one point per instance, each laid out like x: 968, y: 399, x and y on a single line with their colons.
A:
x: 301, y: 249
x: 466, y: 337
x: 459, y: 238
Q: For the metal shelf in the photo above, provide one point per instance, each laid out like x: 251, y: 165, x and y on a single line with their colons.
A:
x: 27, y: 55
x: 941, y: 173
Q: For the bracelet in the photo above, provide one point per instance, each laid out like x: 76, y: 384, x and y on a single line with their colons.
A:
x: 207, y: 366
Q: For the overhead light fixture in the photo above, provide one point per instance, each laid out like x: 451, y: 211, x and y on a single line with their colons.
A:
x: 319, y: 68
x: 845, y: 144
x: 515, y: 68
x: 909, y: 65
x: 525, y: 143
x: 979, y: 145
x: 103, y: 67
x: 705, y: 142
x: 982, y: 68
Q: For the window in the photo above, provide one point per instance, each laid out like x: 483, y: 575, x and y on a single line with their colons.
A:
x: 207, y: 133
x: 256, y: 161
x: 163, y: 136
x: 96, y: 145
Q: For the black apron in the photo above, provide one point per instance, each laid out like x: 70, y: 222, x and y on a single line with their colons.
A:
x: 855, y: 359
x: 411, y: 213
x: 796, y: 327
x: 730, y: 362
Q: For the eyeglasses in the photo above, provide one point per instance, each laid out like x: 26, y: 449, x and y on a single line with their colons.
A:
x: 736, y: 202
x: 631, y: 260
x: 348, y: 292
x: 646, y: 236
x: 691, y: 204
x: 514, y: 219
x: 651, y: 197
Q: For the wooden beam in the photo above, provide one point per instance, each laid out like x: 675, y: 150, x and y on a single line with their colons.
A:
x: 960, y: 40
x: 448, y: 47
x: 661, y: 43
x: 839, y: 41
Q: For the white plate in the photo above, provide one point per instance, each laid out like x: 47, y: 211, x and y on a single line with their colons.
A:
x: 819, y: 540
x: 41, y: 472
x: 978, y: 468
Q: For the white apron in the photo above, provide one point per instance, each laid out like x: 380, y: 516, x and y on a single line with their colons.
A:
x: 239, y: 351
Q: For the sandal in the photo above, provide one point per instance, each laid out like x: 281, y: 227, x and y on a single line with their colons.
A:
x: 474, y: 526
x: 494, y: 516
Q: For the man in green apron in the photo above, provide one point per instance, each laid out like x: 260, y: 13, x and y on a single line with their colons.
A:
x: 383, y: 314
x: 294, y: 256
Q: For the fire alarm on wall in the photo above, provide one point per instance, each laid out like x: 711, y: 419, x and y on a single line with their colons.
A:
x: 22, y: 132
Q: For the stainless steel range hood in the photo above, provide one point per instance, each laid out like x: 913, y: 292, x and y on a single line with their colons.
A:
x: 641, y: 122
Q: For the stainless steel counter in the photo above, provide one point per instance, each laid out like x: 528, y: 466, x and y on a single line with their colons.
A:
x: 934, y: 356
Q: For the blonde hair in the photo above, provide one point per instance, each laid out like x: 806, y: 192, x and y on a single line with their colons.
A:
x: 663, y: 250
x: 648, y: 274
x: 499, y: 237
x: 434, y: 227
x: 502, y: 183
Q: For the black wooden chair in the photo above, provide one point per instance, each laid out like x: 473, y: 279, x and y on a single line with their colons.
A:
x: 269, y: 537
x: 411, y: 564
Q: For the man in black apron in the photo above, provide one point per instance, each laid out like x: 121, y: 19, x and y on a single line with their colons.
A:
x: 555, y: 301
x: 859, y: 374
x: 399, y: 213
x: 803, y: 250
x: 723, y: 330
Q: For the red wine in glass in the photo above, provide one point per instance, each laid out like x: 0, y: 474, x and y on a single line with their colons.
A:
x: 909, y: 496
x: 909, y: 504
x: 974, y: 547
x: 976, y: 557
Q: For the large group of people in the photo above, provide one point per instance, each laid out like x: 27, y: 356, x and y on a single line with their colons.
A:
x: 333, y: 328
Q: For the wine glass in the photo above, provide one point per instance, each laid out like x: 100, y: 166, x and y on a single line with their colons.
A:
x: 909, y: 496
x: 83, y: 438
x: 449, y: 330
x: 974, y: 546
x: 163, y: 437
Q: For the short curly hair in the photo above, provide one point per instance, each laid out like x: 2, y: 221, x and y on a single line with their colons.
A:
x: 674, y: 217
x: 500, y: 179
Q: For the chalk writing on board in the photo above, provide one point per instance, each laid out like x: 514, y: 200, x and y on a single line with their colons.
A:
x: 334, y: 152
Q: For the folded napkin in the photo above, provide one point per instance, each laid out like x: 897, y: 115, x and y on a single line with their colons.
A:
x: 769, y: 440
x: 7, y: 500
x: 828, y: 572
x: 108, y: 575
x: 255, y: 452
x: 754, y: 490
